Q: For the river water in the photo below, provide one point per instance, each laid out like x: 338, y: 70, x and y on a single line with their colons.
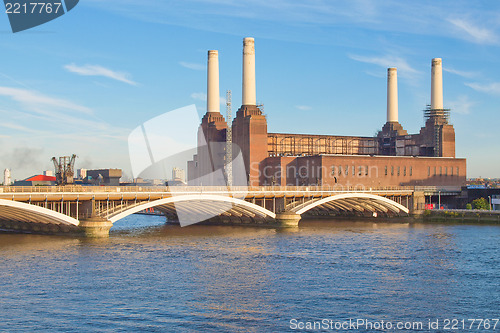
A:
x: 156, y: 278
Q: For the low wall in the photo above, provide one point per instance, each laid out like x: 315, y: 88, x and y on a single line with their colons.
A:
x: 454, y: 215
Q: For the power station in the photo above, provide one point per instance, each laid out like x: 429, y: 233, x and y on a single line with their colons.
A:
x: 391, y: 158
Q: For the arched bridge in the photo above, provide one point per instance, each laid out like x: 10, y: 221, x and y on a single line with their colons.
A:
x: 351, y: 202
x: 70, y: 208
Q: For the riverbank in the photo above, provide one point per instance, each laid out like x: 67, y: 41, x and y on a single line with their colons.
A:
x: 462, y: 215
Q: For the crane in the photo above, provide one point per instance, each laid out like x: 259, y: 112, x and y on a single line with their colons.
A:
x: 65, y: 169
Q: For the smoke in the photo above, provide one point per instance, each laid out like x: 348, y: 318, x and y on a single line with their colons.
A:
x: 24, y: 161
x: 84, y: 162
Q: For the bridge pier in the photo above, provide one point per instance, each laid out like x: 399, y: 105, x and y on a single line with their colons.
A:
x: 418, y: 204
x: 95, y: 227
x: 287, y: 219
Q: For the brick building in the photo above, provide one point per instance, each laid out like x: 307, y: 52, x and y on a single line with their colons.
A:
x: 391, y: 158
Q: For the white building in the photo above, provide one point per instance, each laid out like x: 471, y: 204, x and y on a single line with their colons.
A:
x: 49, y: 173
x: 7, y: 180
x: 81, y: 173
x: 178, y: 174
x: 495, y: 202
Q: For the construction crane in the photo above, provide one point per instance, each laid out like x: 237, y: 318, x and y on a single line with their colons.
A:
x: 229, y: 140
x: 65, y: 169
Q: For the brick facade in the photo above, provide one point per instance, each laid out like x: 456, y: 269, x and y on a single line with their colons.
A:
x: 366, y: 171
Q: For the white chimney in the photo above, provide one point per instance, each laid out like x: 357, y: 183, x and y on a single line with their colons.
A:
x: 437, y: 84
x: 249, y: 94
x: 392, y: 95
x: 213, y: 97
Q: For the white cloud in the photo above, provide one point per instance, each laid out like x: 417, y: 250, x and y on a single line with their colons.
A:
x: 476, y: 34
x: 39, y: 111
x: 461, y: 105
x: 311, y: 21
x: 37, y: 101
x: 193, y: 66
x: 492, y: 88
x: 303, y: 107
x: 200, y: 96
x: 17, y: 127
x: 96, y: 70
x: 465, y: 74
x: 404, y: 69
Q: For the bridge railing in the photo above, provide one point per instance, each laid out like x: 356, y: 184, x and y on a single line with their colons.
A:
x: 205, y: 189
x: 436, y: 189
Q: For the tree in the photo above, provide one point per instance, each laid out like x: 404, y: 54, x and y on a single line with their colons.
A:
x: 481, y: 203
x: 468, y: 206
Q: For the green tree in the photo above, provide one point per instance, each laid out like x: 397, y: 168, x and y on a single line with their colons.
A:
x: 481, y: 203
x: 468, y: 206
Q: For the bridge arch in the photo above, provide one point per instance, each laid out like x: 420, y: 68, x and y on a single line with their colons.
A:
x: 23, y: 212
x: 353, y: 201
x: 200, y: 205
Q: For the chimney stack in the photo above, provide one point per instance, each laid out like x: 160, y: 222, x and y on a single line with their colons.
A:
x: 437, y: 84
x: 249, y: 94
x: 213, y: 97
x: 392, y: 95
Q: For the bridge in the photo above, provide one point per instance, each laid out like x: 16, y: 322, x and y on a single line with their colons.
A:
x: 93, y: 210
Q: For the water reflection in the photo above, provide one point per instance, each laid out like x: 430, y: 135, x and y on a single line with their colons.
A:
x: 153, y: 276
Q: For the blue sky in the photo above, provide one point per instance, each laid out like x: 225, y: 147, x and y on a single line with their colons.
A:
x: 81, y: 83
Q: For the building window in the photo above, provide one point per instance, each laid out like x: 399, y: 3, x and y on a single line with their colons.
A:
x: 435, y: 168
x: 366, y: 170
x: 340, y: 170
x: 429, y: 171
x: 353, y: 170
x: 404, y: 171
x: 346, y: 170
x: 446, y: 171
x: 458, y: 173
x: 440, y: 171
x: 451, y: 171
x: 399, y: 168
x: 360, y: 170
x: 333, y: 170
x: 386, y: 170
x: 392, y: 170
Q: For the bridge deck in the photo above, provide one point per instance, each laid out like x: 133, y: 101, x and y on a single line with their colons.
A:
x: 196, y: 189
x: 74, y: 204
x: 32, y: 195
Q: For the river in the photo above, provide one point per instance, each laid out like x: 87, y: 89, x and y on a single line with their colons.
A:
x: 153, y: 277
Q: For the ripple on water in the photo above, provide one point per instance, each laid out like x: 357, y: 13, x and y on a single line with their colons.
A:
x: 152, y: 277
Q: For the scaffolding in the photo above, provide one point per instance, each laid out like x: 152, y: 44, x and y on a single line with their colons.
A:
x: 310, y: 145
x: 437, y: 115
x: 229, y: 139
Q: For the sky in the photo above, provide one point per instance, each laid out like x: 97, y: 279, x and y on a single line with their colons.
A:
x: 81, y: 83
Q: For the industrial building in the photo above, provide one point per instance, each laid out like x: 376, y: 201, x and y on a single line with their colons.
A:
x: 103, y: 177
x: 37, y: 180
x: 391, y: 158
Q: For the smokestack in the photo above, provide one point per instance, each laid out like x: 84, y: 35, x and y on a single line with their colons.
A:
x: 213, y: 97
x: 392, y: 95
x: 249, y: 94
x: 437, y: 84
